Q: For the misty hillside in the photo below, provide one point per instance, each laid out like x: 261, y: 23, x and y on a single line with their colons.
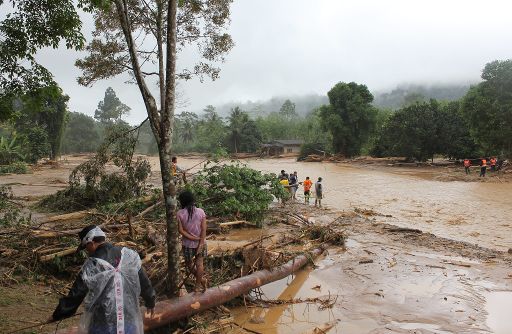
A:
x: 393, y: 99
x: 399, y: 96
x: 303, y: 105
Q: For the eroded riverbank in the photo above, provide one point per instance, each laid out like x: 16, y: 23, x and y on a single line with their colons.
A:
x: 389, y: 280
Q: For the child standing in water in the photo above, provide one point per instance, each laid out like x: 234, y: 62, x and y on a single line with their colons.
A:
x: 192, y: 227
x: 307, y: 189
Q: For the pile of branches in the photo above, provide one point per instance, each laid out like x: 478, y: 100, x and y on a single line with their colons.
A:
x: 11, y: 214
x: 48, y: 249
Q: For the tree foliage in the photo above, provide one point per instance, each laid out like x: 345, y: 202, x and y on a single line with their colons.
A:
x: 488, y: 108
x: 288, y: 110
x: 349, y: 118
x: 47, y: 108
x: 186, y: 127
x: 235, y: 190
x: 10, y: 150
x: 422, y: 130
x: 81, y: 134
x: 200, y: 23
x: 211, y: 131
x: 32, y: 25
x: 411, y: 132
x: 244, y: 135
x: 143, y: 39
x: 111, y: 109
x: 404, y: 95
x: 92, y: 183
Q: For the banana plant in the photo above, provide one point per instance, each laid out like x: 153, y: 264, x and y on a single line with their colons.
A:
x: 10, y: 150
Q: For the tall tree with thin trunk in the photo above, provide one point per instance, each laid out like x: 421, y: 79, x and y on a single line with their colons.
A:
x: 143, y: 38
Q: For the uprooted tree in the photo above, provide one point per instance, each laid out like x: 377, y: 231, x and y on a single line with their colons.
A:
x: 112, y: 175
x: 131, y: 36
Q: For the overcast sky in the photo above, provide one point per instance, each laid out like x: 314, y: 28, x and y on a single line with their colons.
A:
x: 293, y: 47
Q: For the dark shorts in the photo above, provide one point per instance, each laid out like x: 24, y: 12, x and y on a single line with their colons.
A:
x: 319, y: 195
x: 307, y: 193
x: 189, y: 253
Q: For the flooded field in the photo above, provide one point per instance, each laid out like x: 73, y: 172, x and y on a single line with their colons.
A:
x: 382, y: 282
x: 476, y: 212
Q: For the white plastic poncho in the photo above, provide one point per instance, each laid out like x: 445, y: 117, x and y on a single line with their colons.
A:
x: 112, y: 303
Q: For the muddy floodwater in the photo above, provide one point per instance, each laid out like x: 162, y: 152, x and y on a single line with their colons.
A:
x: 381, y: 282
x: 476, y: 212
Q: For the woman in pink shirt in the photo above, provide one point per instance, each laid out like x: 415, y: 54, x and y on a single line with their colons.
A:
x: 192, y: 227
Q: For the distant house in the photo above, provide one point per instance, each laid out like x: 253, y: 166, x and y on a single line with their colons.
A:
x: 281, y: 146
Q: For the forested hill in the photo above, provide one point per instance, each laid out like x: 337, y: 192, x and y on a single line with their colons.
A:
x: 303, y: 105
x: 394, y: 99
x: 405, y: 94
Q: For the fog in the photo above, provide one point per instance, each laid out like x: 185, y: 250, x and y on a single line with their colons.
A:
x: 296, y: 47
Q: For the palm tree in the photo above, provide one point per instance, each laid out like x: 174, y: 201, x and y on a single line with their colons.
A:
x: 187, y: 131
x: 237, y: 120
x: 187, y: 123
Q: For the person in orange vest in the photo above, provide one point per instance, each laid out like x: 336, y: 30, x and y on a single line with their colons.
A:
x: 483, y: 167
x: 493, y: 164
x: 467, y: 164
x: 307, y: 189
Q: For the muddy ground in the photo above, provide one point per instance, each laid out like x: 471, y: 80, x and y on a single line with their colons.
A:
x: 387, y: 279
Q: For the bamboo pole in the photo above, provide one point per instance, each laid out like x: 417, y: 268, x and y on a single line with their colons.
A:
x: 68, y: 251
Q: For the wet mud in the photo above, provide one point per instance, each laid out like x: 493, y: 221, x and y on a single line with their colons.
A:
x: 389, y: 281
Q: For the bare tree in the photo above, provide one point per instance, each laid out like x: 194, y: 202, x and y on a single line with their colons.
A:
x: 143, y: 38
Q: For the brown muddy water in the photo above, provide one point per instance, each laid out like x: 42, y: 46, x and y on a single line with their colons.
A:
x: 407, y: 298
x: 405, y: 290
x: 475, y: 212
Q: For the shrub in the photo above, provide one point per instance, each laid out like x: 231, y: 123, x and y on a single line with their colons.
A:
x: 91, y: 184
x: 10, y: 212
x: 235, y: 190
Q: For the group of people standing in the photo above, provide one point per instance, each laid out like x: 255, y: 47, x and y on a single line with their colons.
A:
x: 291, y: 184
x: 483, y: 165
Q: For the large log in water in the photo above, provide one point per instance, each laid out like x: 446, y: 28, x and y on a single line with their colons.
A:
x: 178, y: 308
x: 168, y: 311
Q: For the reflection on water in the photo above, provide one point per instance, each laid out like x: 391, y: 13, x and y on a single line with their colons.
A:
x: 284, y: 318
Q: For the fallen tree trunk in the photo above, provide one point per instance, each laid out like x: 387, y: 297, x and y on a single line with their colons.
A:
x: 68, y: 216
x: 178, y: 308
x: 68, y: 251
x: 168, y: 311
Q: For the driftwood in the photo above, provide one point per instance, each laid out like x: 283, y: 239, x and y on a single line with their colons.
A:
x: 403, y: 230
x: 67, y: 251
x: 257, y: 241
x: 236, y: 222
x: 149, y: 208
x: 178, y: 308
x: 69, y: 216
x: 168, y: 311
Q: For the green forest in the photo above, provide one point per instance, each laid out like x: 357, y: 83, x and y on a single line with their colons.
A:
x: 39, y: 125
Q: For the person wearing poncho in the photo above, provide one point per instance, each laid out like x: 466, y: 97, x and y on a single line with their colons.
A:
x: 109, y: 283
